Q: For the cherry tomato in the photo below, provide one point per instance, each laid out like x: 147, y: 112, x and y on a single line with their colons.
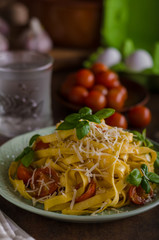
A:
x: 117, y: 120
x: 90, y: 192
x: 49, y: 177
x: 95, y: 100
x: 78, y: 94
x: 123, y: 91
x: 24, y: 173
x: 101, y: 89
x: 68, y: 84
x: 116, y: 98
x: 98, y: 67
x: 108, y: 78
x: 85, y: 78
x: 139, y: 116
x: 138, y: 196
x: 40, y: 145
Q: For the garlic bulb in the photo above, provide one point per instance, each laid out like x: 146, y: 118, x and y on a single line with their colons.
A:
x: 36, y: 38
x: 19, y: 14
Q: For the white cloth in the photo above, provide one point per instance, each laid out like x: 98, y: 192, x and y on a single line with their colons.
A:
x: 9, y: 230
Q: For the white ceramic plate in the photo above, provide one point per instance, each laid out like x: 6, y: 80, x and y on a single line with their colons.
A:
x: 14, y: 147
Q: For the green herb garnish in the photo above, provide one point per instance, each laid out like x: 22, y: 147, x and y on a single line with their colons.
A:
x: 81, y: 120
x: 156, y: 163
x: 135, y: 178
x: 142, y: 138
x: 27, y: 155
x: 33, y: 139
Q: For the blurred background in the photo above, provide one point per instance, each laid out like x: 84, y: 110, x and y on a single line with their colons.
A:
x: 121, y: 34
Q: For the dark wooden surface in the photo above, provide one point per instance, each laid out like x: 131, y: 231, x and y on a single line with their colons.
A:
x: 141, y: 227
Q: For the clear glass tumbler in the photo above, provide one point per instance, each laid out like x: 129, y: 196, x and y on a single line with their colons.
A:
x: 25, y: 92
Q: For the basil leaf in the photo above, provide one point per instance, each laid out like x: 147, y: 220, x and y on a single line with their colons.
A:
x: 85, y: 111
x: 104, y: 113
x: 33, y: 139
x: 144, y: 168
x: 73, y: 117
x: 156, y: 163
x: 145, y: 185
x: 25, y: 151
x: 144, y: 133
x: 28, y: 158
x: 20, y: 156
x: 142, y: 137
x: 92, y: 118
x: 148, y: 143
x: 66, y: 126
x: 137, y: 136
x: 153, y: 177
x: 82, y: 129
x: 134, y: 177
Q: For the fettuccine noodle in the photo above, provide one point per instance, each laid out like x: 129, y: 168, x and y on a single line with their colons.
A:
x: 105, y: 156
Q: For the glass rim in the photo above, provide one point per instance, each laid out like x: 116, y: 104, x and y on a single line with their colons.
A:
x: 42, y: 67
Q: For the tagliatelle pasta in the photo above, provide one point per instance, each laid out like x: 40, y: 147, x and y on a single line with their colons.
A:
x: 101, y: 160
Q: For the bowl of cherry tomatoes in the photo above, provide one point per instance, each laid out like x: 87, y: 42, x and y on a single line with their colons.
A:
x: 100, y: 87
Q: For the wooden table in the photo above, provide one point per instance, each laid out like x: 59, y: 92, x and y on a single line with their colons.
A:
x: 144, y: 226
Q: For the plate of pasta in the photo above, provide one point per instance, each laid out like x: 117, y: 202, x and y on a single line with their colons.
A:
x: 89, y: 172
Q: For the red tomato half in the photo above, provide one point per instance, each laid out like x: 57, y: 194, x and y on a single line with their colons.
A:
x: 95, y: 100
x: 40, y: 145
x: 90, y: 192
x: 117, y: 120
x: 138, y: 196
x: 50, y: 179
x: 85, y: 78
x: 24, y: 173
x: 139, y: 116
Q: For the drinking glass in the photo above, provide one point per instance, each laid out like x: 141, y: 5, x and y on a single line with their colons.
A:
x: 25, y: 92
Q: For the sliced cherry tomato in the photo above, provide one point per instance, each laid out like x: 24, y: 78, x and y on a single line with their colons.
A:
x: 24, y: 173
x: 95, y: 100
x: 138, y: 196
x: 45, y: 182
x: 116, y: 99
x: 117, y: 120
x: 108, y: 78
x: 139, y: 116
x: 40, y: 145
x: 90, y: 192
x: 98, y: 67
x: 101, y: 89
x: 68, y: 84
x: 78, y: 94
x: 85, y: 78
